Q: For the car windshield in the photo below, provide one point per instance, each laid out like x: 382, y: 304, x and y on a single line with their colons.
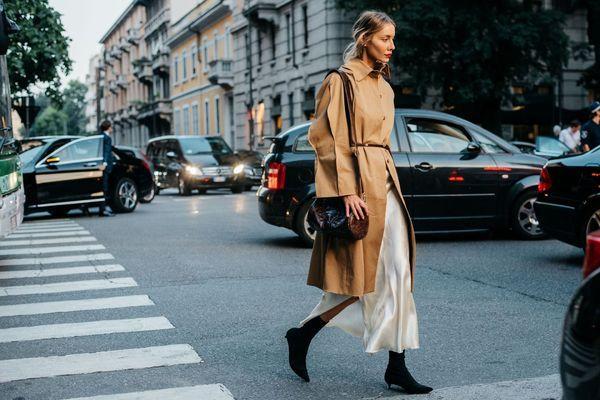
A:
x: 195, y: 145
x: 30, y: 150
x: 544, y: 143
x: 219, y: 146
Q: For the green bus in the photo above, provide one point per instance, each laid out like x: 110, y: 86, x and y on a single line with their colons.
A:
x: 12, y: 196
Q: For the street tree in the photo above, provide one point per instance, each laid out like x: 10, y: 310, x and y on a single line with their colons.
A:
x: 50, y: 122
x: 39, y: 52
x: 472, y: 52
x: 74, y: 107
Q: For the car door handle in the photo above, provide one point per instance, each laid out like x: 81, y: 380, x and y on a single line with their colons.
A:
x: 92, y: 164
x: 424, y: 166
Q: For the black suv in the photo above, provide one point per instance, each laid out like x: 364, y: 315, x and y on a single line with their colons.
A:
x: 455, y: 177
x: 189, y: 162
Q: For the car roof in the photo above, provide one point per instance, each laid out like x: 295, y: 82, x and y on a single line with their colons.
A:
x: 176, y: 137
x: 47, y: 137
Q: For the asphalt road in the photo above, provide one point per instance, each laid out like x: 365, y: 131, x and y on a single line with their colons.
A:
x: 225, y: 287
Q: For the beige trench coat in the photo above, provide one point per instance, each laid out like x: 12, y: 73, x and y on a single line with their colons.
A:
x: 338, y: 265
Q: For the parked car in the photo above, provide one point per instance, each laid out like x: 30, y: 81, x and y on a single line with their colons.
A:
x: 65, y: 172
x: 250, y: 159
x: 544, y: 146
x: 579, y: 360
x: 139, y: 154
x: 568, y: 203
x: 455, y: 177
x: 189, y: 163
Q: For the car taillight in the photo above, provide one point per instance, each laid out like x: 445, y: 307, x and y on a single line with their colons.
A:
x: 276, y: 176
x: 545, y: 181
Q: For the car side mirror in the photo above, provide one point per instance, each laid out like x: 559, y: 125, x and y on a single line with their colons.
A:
x: 473, y: 147
x: 171, y: 155
x: 52, y: 160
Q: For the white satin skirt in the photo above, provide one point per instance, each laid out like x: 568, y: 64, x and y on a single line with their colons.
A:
x: 386, y: 319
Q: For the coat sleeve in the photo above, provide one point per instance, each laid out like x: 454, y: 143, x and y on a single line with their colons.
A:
x: 335, y: 168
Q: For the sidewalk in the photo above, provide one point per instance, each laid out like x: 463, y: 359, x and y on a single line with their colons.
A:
x: 542, y: 388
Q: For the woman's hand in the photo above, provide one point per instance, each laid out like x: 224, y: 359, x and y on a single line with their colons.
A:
x: 357, y: 205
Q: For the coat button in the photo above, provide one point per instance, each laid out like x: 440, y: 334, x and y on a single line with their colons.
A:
x: 384, y: 117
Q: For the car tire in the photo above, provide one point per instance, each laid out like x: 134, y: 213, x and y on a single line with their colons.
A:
x: 150, y: 196
x: 184, y: 188
x: 237, y: 189
x: 59, y: 212
x: 248, y: 188
x: 523, y: 221
x: 125, y: 196
x: 591, y: 223
x: 201, y: 191
x: 301, y: 227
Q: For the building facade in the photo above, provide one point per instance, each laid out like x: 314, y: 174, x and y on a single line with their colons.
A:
x: 91, y: 96
x: 201, y: 62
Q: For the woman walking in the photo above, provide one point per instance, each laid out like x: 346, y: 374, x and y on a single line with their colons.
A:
x: 367, y: 283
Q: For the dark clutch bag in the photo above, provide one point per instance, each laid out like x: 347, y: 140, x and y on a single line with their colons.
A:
x: 328, y: 214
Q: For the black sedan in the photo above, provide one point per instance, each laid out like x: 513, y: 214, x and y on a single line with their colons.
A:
x: 544, y: 146
x: 65, y: 172
x: 251, y: 160
x: 568, y: 203
x: 455, y: 177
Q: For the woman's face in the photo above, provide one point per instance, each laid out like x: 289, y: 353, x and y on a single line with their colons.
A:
x: 381, y: 44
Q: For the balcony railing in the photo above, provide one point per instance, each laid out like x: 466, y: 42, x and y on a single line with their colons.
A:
x: 133, y: 35
x: 115, y: 52
x: 163, y: 17
x: 112, y: 86
x: 220, y: 72
x: 160, y: 62
x: 142, y: 70
x: 122, y: 81
x: 124, y: 44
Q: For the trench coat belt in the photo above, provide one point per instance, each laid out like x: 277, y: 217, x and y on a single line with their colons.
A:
x: 383, y: 146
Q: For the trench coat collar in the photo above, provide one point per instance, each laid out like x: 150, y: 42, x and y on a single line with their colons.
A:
x: 360, y: 69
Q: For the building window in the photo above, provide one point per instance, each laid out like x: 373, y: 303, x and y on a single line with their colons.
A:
x: 194, y: 60
x: 184, y: 65
x: 273, y: 38
x: 206, y: 118
x: 216, y: 44
x: 186, y: 120
x: 276, y: 114
x: 196, y: 118
x: 309, y: 103
x: 247, y: 46
x: 217, y: 116
x: 259, y: 45
x: 305, y: 23
x: 291, y: 105
x: 288, y: 32
x: 228, y: 43
x: 205, y: 54
x: 176, y: 69
x: 176, y: 116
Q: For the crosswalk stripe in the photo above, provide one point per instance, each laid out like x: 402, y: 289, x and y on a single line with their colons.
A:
x: 45, y: 250
x: 42, y: 273
x: 73, y: 286
x: 85, y: 363
x: 200, y: 392
x: 55, y: 331
x: 39, y: 230
x: 45, y: 234
x: 51, y: 307
x: 56, y: 260
x: 41, y: 224
x: 38, y: 242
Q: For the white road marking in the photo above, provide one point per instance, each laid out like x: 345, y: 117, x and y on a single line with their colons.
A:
x: 62, y: 229
x: 75, y: 305
x: 37, y: 242
x: 51, y: 224
x: 54, y: 331
x: 200, y: 392
x: 85, y: 363
x: 73, y: 286
x: 46, y: 234
x: 45, y: 250
x: 56, y: 260
x: 40, y: 273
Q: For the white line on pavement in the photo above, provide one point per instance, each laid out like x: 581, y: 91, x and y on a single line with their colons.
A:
x: 73, y: 286
x: 54, y: 331
x: 62, y: 229
x: 41, y: 273
x: 42, y: 224
x: 45, y: 250
x: 55, y: 260
x: 85, y: 363
x: 36, y: 242
x: 200, y: 392
x: 45, y: 234
x: 75, y: 305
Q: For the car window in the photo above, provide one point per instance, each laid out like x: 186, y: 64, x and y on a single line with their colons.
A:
x: 219, y: 146
x: 488, y: 145
x: 544, y: 143
x: 302, y: 143
x: 194, y: 145
x: 433, y: 136
x: 85, y: 149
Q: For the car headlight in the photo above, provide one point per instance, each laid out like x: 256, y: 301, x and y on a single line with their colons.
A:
x: 192, y: 170
x: 239, y: 169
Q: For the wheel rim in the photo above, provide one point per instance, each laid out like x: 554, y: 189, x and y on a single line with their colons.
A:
x: 593, y: 223
x: 527, y: 219
x: 149, y: 195
x: 310, y: 232
x: 127, y: 195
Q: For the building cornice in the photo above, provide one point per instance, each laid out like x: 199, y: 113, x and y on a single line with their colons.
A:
x: 208, y: 18
x: 120, y: 20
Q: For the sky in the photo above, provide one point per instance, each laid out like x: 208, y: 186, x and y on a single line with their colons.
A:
x: 85, y: 22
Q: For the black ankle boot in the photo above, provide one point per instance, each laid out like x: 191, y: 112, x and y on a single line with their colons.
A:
x: 298, y: 341
x: 397, y: 374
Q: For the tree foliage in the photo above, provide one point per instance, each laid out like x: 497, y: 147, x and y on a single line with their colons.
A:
x: 39, y: 53
x: 49, y: 122
x: 67, y: 118
x: 471, y: 52
x: 74, y: 107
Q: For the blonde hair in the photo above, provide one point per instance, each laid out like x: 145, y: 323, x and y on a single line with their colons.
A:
x: 367, y: 24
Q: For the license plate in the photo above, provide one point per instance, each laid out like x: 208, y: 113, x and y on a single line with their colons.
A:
x: 219, y: 179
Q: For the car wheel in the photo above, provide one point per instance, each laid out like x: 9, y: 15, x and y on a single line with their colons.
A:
x: 237, y: 189
x: 184, y: 188
x: 523, y: 219
x: 125, y: 196
x: 150, y: 196
x: 248, y: 187
x: 201, y: 191
x: 302, y: 228
x: 59, y: 212
x: 591, y: 223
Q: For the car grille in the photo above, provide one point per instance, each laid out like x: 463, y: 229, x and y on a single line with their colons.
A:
x: 217, y: 170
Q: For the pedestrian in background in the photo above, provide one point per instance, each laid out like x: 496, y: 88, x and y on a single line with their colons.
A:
x: 367, y: 283
x: 571, y: 136
x: 590, y: 132
x: 556, y: 130
x: 107, y: 158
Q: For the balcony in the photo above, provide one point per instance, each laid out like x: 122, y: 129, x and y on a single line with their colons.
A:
x: 122, y: 81
x: 161, y: 61
x: 124, y: 45
x: 163, y: 17
x: 142, y: 70
x: 220, y: 73
x: 133, y: 35
x: 112, y: 86
x: 261, y: 12
x: 115, y: 52
x: 157, y: 109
